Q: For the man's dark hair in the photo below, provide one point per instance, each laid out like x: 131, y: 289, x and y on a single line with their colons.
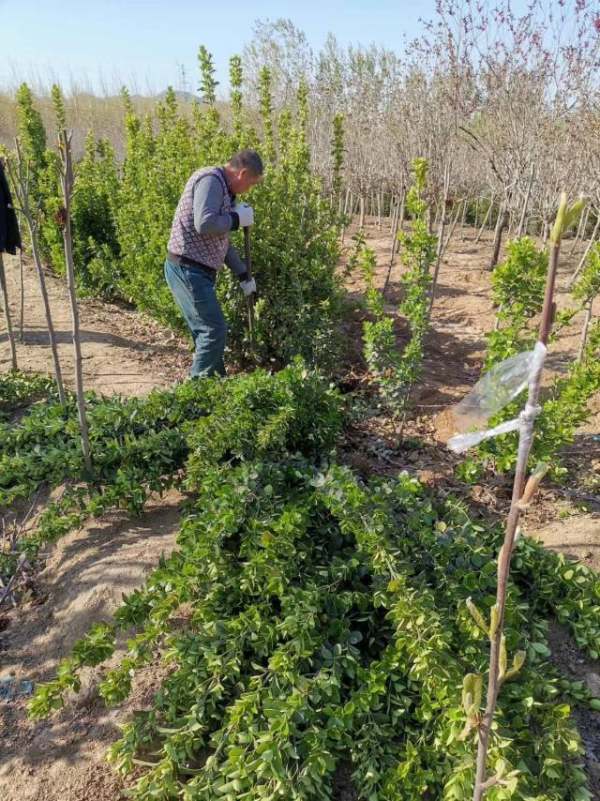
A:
x: 247, y: 160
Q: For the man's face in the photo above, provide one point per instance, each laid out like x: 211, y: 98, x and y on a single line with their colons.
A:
x: 241, y: 181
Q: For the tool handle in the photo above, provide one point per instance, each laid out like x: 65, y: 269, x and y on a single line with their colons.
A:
x: 250, y: 299
x: 247, y: 251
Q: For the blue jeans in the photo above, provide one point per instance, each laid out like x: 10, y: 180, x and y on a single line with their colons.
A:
x: 194, y: 293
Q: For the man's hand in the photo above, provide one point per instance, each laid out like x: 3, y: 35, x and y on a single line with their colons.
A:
x: 245, y: 213
x: 248, y: 286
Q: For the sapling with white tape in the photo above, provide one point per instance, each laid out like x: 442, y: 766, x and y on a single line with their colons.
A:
x: 489, y: 396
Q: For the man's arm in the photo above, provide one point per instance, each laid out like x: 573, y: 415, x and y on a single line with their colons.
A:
x: 235, y: 264
x: 208, y: 200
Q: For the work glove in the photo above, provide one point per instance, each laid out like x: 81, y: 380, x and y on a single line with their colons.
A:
x: 248, y: 286
x: 245, y: 213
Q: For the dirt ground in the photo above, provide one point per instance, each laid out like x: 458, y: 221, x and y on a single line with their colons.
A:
x: 123, y: 352
x: 87, y: 572
x: 83, y: 582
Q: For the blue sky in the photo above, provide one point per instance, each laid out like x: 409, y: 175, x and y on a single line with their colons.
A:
x: 144, y: 44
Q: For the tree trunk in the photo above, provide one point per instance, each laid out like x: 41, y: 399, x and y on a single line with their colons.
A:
x: 522, y: 227
x: 580, y: 229
x: 584, y: 330
x: 20, y: 181
x: 9, y: 328
x: 402, y: 210
x: 393, y: 212
x: 521, y: 493
x: 485, y: 220
x: 452, y: 229
x: 22, y: 297
x: 394, y: 217
x: 440, y: 244
x: 361, y: 219
x: 392, y: 251
x: 590, y: 245
x: 46, y: 301
x: 511, y: 222
x: 500, y: 226
x: 67, y: 185
x: 346, y: 201
x: 545, y: 230
x: 464, y: 213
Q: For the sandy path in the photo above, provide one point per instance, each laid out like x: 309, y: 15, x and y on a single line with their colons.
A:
x: 123, y: 351
x: 87, y: 572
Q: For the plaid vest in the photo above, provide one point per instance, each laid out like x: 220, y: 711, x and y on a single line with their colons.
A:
x: 185, y: 240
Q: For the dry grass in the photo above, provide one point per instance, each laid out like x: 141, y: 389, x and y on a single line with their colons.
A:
x: 87, y: 111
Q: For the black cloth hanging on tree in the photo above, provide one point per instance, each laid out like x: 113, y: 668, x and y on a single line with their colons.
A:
x: 10, y: 238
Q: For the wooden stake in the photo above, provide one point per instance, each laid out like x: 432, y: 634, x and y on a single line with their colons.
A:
x: 6, y: 306
x: 22, y: 296
x: 20, y: 181
x: 250, y: 298
x: 67, y: 187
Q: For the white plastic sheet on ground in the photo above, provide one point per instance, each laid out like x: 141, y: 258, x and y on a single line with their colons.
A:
x: 492, y: 393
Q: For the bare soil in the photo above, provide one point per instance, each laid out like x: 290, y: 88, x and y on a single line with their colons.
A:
x: 84, y: 579
x: 87, y: 572
x: 124, y: 352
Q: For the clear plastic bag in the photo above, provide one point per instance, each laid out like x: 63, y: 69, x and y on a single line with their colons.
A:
x: 492, y: 393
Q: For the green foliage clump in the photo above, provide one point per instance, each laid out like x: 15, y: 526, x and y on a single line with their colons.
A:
x: 139, y: 445
x: 518, y: 294
x: 122, y: 216
x: 32, y: 136
x: 51, y: 198
x: 294, y: 256
x: 337, y: 157
x: 396, y: 372
x: 95, y: 198
x: 154, y: 173
x: 335, y: 622
x: 18, y: 389
x: 40, y: 169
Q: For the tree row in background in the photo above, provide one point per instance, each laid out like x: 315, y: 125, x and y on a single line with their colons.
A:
x: 502, y: 103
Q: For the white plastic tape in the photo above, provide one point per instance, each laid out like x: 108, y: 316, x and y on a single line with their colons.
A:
x: 462, y: 442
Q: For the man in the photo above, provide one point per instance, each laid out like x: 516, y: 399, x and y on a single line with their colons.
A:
x: 198, y: 247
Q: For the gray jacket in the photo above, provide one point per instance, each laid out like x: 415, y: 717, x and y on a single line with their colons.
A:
x: 202, y: 221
